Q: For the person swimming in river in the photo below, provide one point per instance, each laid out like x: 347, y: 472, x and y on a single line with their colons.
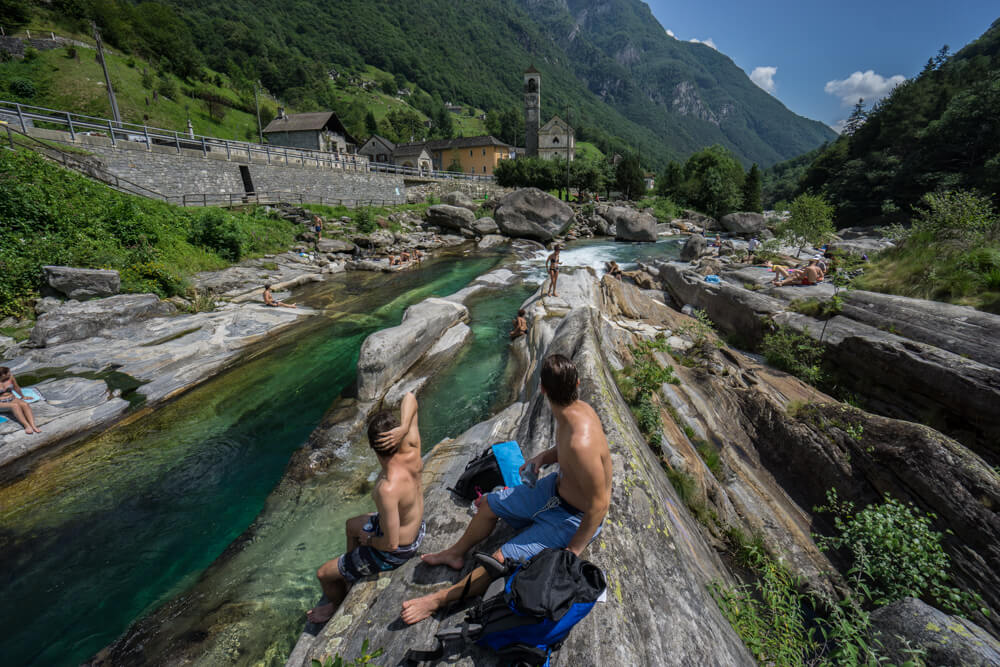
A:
x: 552, y: 266
x: 563, y: 510
x: 389, y: 537
x: 269, y: 300
x: 520, y: 325
x: 12, y: 399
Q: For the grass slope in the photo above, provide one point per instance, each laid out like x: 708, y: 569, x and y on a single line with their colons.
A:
x: 54, y: 216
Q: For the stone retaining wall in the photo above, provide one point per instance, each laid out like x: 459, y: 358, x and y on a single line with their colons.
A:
x: 170, y: 172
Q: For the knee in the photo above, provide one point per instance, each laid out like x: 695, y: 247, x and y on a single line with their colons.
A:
x: 328, y: 571
x: 498, y: 556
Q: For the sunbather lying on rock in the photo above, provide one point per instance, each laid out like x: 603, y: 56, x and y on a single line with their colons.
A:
x: 562, y: 510
x: 391, y: 536
x: 811, y: 275
x: 12, y: 399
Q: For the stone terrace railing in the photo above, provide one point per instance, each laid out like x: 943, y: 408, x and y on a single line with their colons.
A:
x: 81, y: 129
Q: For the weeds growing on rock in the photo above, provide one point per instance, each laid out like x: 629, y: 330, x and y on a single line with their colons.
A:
x: 365, y: 658
x: 794, y: 352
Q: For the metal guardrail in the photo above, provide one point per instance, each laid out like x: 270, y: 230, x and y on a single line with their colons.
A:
x: 143, y: 134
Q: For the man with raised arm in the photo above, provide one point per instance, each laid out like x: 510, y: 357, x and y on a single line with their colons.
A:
x: 562, y: 510
x: 389, y: 537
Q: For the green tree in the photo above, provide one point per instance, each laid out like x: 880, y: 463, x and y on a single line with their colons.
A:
x: 455, y: 166
x: 629, y: 178
x: 856, y: 119
x: 371, y: 126
x: 713, y: 181
x: 751, y: 190
x: 670, y: 181
x: 810, y: 223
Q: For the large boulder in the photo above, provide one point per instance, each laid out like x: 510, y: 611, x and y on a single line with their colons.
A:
x: 82, y: 284
x: 533, y: 214
x: 743, y: 223
x: 336, y: 245
x: 694, y: 247
x: 450, y: 217
x: 387, y: 354
x: 485, y: 226
x: 631, y: 225
x: 946, y: 640
x: 81, y: 320
x: 861, y: 246
x: 460, y: 199
x: 706, y: 222
x: 601, y: 226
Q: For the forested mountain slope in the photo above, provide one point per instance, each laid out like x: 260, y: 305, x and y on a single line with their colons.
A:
x: 629, y: 86
x: 938, y: 131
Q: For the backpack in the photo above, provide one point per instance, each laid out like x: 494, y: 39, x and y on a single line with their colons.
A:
x: 498, y: 465
x: 531, y: 615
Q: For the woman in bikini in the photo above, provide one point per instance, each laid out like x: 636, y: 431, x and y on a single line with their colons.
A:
x: 11, y: 398
x: 552, y: 266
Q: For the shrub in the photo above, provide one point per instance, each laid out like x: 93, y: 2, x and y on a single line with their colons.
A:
x: 215, y: 230
x: 70, y: 51
x: 894, y: 553
x: 960, y: 215
x: 167, y: 87
x: 22, y: 87
x: 151, y: 277
x: 364, y: 219
x: 810, y: 222
x: 794, y: 352
x: 30, y: 54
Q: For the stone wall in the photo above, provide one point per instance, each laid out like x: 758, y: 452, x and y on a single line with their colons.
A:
x: 173, y: 172
x: 419, y: 191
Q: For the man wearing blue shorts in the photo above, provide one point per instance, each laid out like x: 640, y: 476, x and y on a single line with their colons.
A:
x: 562, y: 510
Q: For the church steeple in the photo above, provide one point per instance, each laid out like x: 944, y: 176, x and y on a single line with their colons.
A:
x: 532, y: 110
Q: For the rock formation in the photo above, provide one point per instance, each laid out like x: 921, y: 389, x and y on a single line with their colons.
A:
x: 532, y: 214
x: 630, y: 224
x: 82, y: 284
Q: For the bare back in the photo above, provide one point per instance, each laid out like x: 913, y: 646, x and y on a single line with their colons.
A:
x: 584, y: 458
x: 400, y: 486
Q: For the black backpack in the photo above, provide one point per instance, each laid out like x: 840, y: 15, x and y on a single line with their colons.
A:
x: 530, y: 616
x: 498, y: 465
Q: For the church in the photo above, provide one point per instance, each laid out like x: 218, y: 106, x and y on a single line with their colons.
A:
x: 556, y: 137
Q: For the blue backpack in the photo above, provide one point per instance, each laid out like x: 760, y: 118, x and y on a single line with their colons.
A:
x: 530, y: 617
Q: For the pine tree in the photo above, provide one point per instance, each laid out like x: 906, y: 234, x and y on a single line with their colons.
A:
x: 856, y: 119
x: 370, y: 125
x: 669, y: 182
x: 751, y: 190
x: 629, y: 178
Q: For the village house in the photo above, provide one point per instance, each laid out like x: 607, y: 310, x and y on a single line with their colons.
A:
x: 318, y: 131
x: 378, y: 149
x: 415, y: 156
x: 476, y: 155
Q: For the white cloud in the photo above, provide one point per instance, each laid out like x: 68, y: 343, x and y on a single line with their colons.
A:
x: 839, y: 126
x: 707, y: 42
x: 863, y: 85
x: 671, y: 33
x: 764, y: 77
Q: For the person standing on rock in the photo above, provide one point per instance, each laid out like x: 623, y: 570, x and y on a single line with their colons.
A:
x: 561, y: 510
x: 388, y: 538
x: 318, y: 227
x: 552, y: 266
x: 12, y: 398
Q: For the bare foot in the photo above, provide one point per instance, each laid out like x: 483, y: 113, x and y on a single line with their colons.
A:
x: 418, y: 609
x: 444, y: 558
x: 320, y: 614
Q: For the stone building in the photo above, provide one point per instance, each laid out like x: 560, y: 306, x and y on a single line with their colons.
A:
x: 318, y: 131
x: 549, y: 140
x: 378, y: 149
x: 476, y: 155
x: 556, y: 139
x: 415, y: 155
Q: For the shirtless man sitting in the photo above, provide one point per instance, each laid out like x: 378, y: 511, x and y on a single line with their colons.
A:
x: 811, y: 275
x: 391, y: 536
x: 269, y: 299
x: 562, y: 510
x: 520, y: 325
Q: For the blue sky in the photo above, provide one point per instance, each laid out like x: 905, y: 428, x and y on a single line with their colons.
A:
x: 826, y: 55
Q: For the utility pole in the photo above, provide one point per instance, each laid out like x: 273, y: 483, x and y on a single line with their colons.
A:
x: 256, y: 99
x: 568, y: 131
x: 107, y: 76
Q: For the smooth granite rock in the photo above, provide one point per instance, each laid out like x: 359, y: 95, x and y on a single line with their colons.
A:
x: 460, y: 199
x: 335, y: 245
x: 743, y: 223
x: 695, y: 246
x: 631, y: 225
x: 81, y: 320
x: 533, y: 214
x: 485, y: 226
x: 492, y: 240
x: 387, y: 354
x: 450, y: 217
x: 861, y: 246
x: 82, y: 283
x: 946, y: 640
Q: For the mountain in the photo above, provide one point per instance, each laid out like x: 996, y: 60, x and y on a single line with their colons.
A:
x: 627, y: 84
x: 938, y: 131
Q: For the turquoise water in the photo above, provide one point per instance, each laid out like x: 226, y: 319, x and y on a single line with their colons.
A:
x: 97, y: 536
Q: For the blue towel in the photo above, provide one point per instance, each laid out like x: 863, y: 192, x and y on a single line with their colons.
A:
x: 712, y: 278
x: 509, y: 457
x: 31, y: 395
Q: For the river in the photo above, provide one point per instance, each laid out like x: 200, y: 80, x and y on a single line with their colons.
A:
x: 97, y: 536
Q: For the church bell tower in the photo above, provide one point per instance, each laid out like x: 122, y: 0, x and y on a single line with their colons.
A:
x: 532, y: 110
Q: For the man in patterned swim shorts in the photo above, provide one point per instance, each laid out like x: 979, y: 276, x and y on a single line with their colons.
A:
x: 388, y: 538
x: 562, y: 510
